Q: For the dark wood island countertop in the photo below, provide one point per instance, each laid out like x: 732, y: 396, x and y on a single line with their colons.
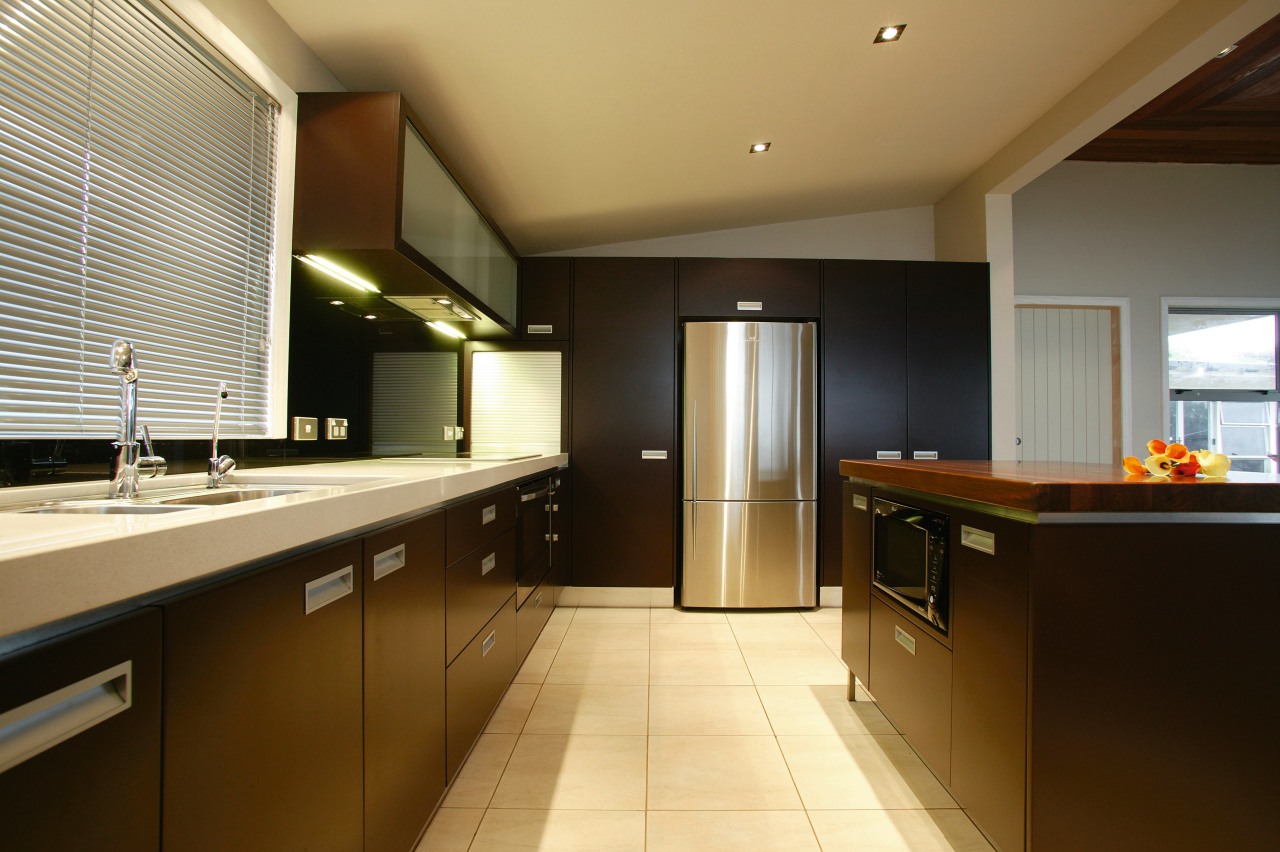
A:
x: 1053, y: 487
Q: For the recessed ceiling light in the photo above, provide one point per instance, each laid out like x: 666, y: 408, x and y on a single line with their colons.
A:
x: 1226, y: 50
x: 889, y: 33
x: 333, y: 270
x: 760, y: 147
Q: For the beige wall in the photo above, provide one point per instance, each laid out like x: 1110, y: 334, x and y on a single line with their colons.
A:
x: 264, y: 32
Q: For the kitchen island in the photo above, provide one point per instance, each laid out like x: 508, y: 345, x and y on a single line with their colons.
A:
x: 1106, y: 679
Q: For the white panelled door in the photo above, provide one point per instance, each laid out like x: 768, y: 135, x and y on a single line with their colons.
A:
x: 1069, y: 383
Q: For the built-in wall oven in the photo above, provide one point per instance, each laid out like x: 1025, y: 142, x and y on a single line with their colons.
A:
x: 534, y: 521
x: 910, y: 559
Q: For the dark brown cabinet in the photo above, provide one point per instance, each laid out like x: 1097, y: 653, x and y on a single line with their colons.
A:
x: 749, y: 288
x: 263, y: 724
x: 545, y: 287
x: 855, y: 615
x: 910, y: 677
x: 561, y: 531
x: 623, y: 416
x: 905, y: 369
x: 81, y: 763
x: 404, y: 666
x: 475, y: 682
x: 989, y: 671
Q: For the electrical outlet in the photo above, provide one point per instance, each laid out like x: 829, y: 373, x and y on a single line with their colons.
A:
x: 447, y: 433
x: 457, y: 433
x: 335, y: 428
x: 305, y: 429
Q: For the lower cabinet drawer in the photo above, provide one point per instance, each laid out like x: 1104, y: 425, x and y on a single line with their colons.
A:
x: 475, y: 521
x: 475, y: 682
x: 531, y: 617
x: 475, y: 587
x: 910, y: 676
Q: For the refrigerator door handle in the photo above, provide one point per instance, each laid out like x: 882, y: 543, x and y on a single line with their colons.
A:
x: 694, y: 453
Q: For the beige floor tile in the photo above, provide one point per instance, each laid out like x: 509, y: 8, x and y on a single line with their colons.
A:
x: 805, y: 666
x: 535, y: 666
x: 829, y: 634
x: 692, y: 637
x: 857, y: 772
x: 595, y: 666
x: 479, y: 776
x: 570, y: 831
x: 719, y: 773
x: 514, y: 708
x: 553, y: 631
x: 704, y: 667
x: 574, y: 772
x: 784, y: 616
x: 706, y: 710
x: 451, y: 830
x: 611, y: 615
x: 777, y: 635
x: 730, y: 831
x: 605, y: 637
x: 826, y: 615
x: 670, y: 615
x: 590, y: 709
x: 821, y: 710
x: 898, y: 831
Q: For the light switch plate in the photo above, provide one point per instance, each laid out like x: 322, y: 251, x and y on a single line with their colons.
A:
x: 305, y: 429
x: 335, y: 428
x: 457, y: 433
x: 447, y: 433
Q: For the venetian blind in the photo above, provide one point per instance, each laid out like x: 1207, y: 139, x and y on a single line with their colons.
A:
x: 515, y: 402
x: 137, y: 184
x: 414, y: 395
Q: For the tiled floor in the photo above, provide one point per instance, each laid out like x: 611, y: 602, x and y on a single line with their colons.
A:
x: 639, y: 729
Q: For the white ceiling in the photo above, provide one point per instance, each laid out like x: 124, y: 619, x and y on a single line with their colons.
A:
x: 582, y: 122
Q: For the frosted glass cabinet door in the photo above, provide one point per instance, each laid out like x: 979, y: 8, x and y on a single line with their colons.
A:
x: 438, y: 220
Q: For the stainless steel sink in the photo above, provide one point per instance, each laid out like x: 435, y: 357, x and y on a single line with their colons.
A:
x: 105, y: 507
x: 225, y: 494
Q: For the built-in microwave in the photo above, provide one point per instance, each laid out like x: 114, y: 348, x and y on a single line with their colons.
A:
x: 910, y: 559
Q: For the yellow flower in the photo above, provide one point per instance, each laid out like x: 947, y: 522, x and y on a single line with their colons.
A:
x: 1159, y: 465
x: 1215, y: 465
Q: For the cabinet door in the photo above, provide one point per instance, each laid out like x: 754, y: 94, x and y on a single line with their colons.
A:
x: 545, y: 284
x: 989, y: 577
x: 95, y: 784
x: 749, y: 288
x: 404, y: 754
x: 262, y: 710
x: 623, y: 406
x: 911, y: 680
x: 864, y: 377
x: 855, y: 616
x: 948, y: 360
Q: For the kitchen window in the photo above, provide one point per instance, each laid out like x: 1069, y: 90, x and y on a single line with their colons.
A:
x: 140, y: 183
x: 1223, y: 382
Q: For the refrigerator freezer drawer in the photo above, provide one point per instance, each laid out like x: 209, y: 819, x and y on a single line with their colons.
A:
x: 747, y: 555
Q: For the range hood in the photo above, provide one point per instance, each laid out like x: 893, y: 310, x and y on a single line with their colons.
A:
x: 373, y: 199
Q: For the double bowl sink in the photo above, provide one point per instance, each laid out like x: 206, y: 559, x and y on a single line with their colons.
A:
x: 162, y: 501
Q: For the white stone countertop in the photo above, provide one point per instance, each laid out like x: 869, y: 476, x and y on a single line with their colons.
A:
x: 60, y: 571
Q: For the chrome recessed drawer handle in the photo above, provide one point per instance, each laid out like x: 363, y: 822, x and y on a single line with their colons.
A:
x: 323, y: 591
x: 488, y: 563
x: 888, y: 454
x: 904, y: 639
x: 387, y: 561
x: 487, y: 645
x: 44, y: 722
x: 925, y: 454
x: 978, y: 539
x: 487, y: 514
x: 860, y: 502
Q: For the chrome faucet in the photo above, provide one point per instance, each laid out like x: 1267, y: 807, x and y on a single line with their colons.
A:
x: 219, y: 466
x: 126, y: 465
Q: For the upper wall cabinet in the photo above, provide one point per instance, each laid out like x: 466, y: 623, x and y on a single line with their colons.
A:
x: 372, y: 198
x: 749, y: 288
x: 545, y: 285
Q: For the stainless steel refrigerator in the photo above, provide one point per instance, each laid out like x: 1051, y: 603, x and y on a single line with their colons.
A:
x: 749, y: 465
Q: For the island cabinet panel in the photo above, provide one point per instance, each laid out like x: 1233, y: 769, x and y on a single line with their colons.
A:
x: 545, y: 287
x: 1153, y: 699
x: 263, y: 723
x: 404, y: 665
x: 855, y: 631
x: 910, y: 677
x: 476, y: 681
x: 749, y: 288
x: 623, y: 416
x: 476, y: 586
x: 98, y: 788
x: 989, y: 589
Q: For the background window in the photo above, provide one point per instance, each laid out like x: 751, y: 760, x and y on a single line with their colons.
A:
x: 1223, y: 387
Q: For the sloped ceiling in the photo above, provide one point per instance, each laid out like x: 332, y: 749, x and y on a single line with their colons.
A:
x: 581, y: 122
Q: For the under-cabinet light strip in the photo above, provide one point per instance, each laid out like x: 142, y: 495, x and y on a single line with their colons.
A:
x: 330, y: 268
